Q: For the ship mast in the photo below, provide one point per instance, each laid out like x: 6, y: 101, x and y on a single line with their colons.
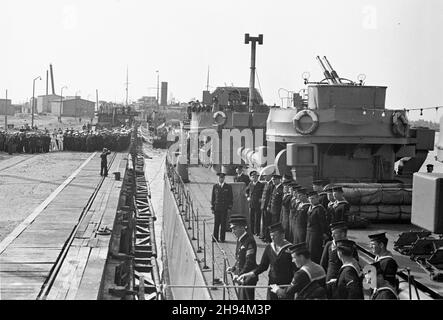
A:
x: 253, y: 41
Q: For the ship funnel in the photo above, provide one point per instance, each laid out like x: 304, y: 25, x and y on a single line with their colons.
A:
x: 328, y: 76
x: 332, y: 71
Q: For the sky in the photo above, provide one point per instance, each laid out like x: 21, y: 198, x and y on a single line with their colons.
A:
x: 91, y: 43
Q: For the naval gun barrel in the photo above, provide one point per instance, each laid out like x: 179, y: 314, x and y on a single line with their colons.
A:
x: 328, y: 76
x: 332, y: 71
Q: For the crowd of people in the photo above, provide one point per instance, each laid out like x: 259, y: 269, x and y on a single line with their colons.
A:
x: 308, y: 253
x: 32, y: 141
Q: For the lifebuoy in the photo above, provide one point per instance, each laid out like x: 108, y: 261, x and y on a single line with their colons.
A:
x: 400, y: 125
x: 219, y: 118
x: 301, y: 114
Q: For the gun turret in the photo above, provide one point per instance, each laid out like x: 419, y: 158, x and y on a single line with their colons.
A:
x: 328, y: 76
x: 332, y: 71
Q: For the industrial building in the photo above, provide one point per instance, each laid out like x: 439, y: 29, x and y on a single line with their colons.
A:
x: 6, y: 104
x: 74, y: 107
x: 44, y: 103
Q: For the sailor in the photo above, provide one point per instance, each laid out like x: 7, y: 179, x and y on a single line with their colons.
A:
x: 275, y: 202
x: 253, y: 193
x: 349, y: 284
x: 277, y: 259
x: 329, y: 208
x: 286, y: 207
x: 378, y: 244
x: 329, y: 259
x: 341, y: 206
x: 241, y: 177
x: 308, y: 282
x: 383, y: 290
x: 287, y: 177
x: 316, y: 231
x: 245, y: 257
x: 104, y: 162
x: 299, y: 219
x: 266, y: 214
x: 318, y: 186
x: 429, y: 168
x: 293, y: 210
x: 221, y: 203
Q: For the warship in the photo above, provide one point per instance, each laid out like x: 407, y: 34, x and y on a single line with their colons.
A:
x: 335, y: 129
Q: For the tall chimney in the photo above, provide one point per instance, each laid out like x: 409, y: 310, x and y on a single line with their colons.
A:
x: 52, y: 79
x: 47, y: 82
x: 164, y: 94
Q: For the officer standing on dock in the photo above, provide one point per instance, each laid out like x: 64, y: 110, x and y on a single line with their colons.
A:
x: 245, y: 257
x: 308, y: 282
x: 378, y: 243
x: 329, y: 259
x: 349, y: 285
x: 253, y: 194
x: 104, y: 162
x: 277, y: 259
x: 221, y: 202
x: 316, y: 232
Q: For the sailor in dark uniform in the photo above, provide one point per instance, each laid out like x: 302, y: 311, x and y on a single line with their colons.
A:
x: 277, y: 259
x: 378, y: 243
x: 349, y: 284
x: 286, y: 207
x: 316, y: 232
x: 245, y: 257
x: 318, y: 186
x: 266, y: 214
x: 382, y: 288
x: 299, y: 220
x: 104, y: 162
x: 221, y: 202
x: 341, y: 206
x: 275, y: 202
x: 330, y: 207
x: 241, y: 177
x: 253, y: 193
x: 308, y: 282
x: 329, y: 259
x: 293, y: 210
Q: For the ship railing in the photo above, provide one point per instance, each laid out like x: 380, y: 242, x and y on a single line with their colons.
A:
x: 197, y: 232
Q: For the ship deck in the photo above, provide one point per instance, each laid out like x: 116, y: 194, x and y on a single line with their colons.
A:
x: 200, y: 186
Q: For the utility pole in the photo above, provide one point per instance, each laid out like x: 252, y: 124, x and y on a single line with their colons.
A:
x: 127, y: 83
x: 96, y: 99
x: 158, y: 77
x: 253, y: 41
x: 6, y: 111
x: 207, y: 81
x: 33, y: 103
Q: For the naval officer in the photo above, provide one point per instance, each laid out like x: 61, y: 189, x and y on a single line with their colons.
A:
x: 245, y: 257
x: 221, y: 203
x: 253, y: 193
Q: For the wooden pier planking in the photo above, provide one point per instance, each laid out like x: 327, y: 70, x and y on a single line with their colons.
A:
x: 32, y: 249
